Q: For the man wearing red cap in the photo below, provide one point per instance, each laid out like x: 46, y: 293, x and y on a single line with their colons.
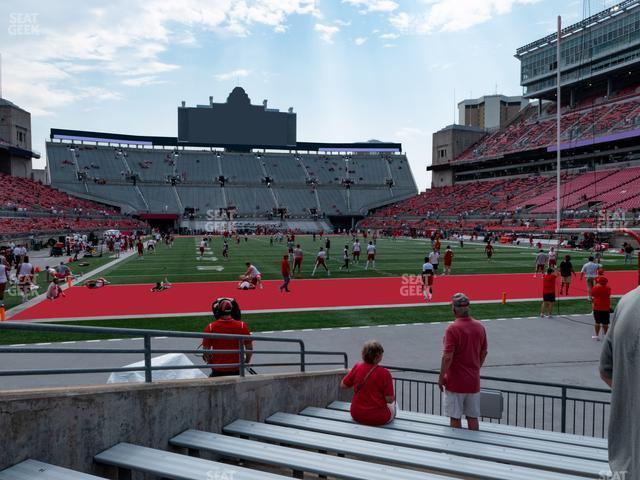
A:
x: 226, y: 325
x: 601, y: 299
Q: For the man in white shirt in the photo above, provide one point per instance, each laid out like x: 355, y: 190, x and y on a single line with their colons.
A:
x: 427, y: 279
x: 590, y: 270
x: 252, y: 275
x: 25, y: 278
x: 434, y: 259
x: 356, y: 251
x: 321, y: 261
x: 4, y: 278
x: 541, y: 262
x: 371, y: 256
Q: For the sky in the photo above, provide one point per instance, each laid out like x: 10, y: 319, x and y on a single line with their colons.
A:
x: 353, y: 70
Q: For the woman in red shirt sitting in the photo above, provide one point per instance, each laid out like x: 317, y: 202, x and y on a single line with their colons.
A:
x: 373, y: 401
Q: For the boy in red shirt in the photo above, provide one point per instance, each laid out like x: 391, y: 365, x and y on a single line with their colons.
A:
x: 285, y: 269
x: 448, y: 260
x: 373, y: 400
x: 226, y: 325
x: 548, y: 292
x: 601, y: 300
x: 489, y: 251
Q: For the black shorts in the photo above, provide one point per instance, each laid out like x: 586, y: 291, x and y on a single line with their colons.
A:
x: 548, y: 297
x: 435, y: 267
x: 602, y: 317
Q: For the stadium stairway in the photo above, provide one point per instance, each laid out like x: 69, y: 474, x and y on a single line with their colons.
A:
x: 327, y: 443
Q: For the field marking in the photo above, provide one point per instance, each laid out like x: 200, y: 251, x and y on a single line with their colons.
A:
x: 307, y: 330
x: 288, y: 310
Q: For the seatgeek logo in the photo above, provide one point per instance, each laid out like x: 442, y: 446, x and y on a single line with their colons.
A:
x: 23, y: 24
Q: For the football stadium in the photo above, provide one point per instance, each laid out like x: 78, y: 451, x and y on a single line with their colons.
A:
x: 236, y: 300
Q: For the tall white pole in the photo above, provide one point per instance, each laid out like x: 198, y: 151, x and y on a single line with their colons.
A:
x: 558, y: 104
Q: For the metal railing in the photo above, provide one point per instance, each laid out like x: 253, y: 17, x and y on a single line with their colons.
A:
x: 547, y: 406
x: 147, y: 351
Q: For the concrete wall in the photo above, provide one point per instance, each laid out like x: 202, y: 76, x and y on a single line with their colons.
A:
x: 67, y: 427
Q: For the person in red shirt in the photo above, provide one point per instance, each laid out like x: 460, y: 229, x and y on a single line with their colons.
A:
x: 601, y: 301
x: 448, y: 260
x: 226, y: 324
x: 464, y: 352
x: 140, y: 246
x: 285, y: 269
x: 489, y: 250
x: 373, y: 401
x: 549, y: 281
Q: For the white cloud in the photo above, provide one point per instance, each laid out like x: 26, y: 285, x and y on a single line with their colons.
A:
x: 367, y: 6
x: 360, y: 41
x: 402, y: 21
x: 410, y: 132
x: 241, y: 72
x: 122, y: 38
x: 343, y: 23
x: 389, y: 36
x: 441, y: 66
x: 453, y: 15
x: 326, y: 31
x: 142, y: 81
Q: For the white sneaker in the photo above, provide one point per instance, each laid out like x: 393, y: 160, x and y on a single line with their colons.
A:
x: 595, y: 337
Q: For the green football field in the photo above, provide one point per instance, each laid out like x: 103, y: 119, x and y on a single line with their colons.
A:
x: 182, y: 263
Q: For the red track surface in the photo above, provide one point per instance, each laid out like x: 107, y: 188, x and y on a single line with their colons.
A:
x: 193, y: 298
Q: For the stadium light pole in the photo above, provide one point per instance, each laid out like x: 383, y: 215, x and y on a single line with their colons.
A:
x: 558, y: 103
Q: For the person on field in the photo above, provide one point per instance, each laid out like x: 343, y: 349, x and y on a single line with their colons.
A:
x: 427, y: 275
x: 297, y: 259
x: 620, y: 369
x: 601, y: 302
x: 590, y: 270
x: 321, y: 261
x: 448, y: 260
x: 549, y: 281
x: 373, y: 400
x: 541, y: 262
x: 225, y: 324
x: 566, y: 273
x: 285, y: 269
x: 464, y: 353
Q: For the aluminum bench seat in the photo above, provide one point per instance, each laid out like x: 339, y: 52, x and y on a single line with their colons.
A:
x: 381, y: 452
x: 495, y: 453
x: 175, y: 466
x: 532, y: 433
x: 297, y: 460
x: 35, y: 470
x: 488, y: 438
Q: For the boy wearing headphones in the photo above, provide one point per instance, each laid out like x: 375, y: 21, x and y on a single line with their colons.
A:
x: 225, y: 323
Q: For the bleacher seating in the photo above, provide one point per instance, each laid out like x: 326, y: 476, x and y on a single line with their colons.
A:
x: 588, y: 119
x: 104, y: 172
x: 27, y: 195
x: 328, y: 443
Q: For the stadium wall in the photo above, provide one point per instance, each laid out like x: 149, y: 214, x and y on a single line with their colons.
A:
x: 83, y: 421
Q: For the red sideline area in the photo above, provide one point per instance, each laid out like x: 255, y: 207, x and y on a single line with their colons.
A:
x: 193, y: 298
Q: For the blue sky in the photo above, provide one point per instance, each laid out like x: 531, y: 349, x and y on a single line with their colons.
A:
x: 353, y: 70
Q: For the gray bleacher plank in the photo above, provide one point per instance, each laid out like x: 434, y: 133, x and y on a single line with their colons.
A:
x: 515, y: 456
x: 294, y: 459
x: 175, y: 466
x: 533, y: 433
x: 381, y: 452
x: 36, y: 470
x: 488, y: 438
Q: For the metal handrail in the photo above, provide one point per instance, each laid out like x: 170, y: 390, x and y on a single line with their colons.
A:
x: 147, y: 351
x: 566, y: 401
x: 507, y: 380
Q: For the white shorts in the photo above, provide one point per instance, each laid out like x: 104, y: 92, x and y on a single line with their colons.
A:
x: 458, y: 404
